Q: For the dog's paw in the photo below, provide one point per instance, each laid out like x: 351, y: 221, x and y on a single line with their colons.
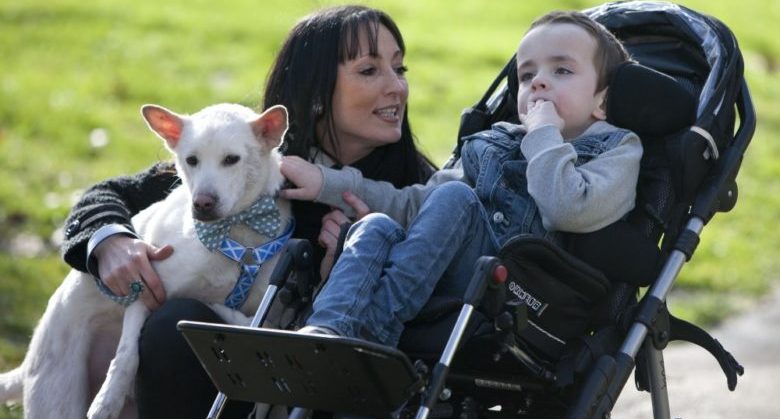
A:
x: 103, y: 408
x: 231, y: 316
x: 96, y: 413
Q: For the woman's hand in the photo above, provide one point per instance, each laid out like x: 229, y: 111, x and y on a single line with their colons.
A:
x: 331, y: 230
x: 306, y: 177
x: 123, y: 260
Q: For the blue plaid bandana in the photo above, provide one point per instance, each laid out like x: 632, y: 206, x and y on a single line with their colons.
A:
x: 262, y: 217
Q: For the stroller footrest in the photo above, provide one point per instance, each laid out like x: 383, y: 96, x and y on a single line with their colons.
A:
x: 319, y: 372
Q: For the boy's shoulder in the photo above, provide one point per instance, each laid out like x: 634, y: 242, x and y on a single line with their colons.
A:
x: 507, y: 129
x: 499, y: 131
x: 604, y: 127
x: 611, y: 135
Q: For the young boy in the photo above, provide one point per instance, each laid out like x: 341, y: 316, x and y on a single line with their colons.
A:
x: 563, y: 170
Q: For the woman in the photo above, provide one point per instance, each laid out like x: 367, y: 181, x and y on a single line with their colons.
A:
x: 340, y: 74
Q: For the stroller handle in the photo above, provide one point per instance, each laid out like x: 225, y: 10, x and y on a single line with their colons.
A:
x: 719, y: 192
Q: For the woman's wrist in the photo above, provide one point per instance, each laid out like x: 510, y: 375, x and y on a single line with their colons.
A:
x: 103, y: 233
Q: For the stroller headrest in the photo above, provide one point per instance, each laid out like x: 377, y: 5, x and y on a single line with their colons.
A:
x: 648, y: 102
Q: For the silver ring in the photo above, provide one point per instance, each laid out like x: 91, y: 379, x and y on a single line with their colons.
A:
x: 136, y: 287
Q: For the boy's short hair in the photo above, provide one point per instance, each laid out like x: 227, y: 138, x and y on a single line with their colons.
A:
x: 609, y: 53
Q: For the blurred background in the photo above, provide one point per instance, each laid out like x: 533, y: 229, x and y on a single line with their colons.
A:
x: 73, y: 75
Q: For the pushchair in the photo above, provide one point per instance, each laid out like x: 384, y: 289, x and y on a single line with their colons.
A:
x: 543, y: 331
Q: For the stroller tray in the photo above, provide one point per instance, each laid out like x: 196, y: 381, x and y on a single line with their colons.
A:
x: 319, y: 372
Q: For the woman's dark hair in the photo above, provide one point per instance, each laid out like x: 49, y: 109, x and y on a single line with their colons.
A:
x: 303, y: 77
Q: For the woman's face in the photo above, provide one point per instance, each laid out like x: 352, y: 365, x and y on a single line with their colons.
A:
x: 369, y: 99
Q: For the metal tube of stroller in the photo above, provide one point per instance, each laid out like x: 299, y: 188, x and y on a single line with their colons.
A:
x: 638, y: 332
x: 457, y: 334
x: 262, y: 310
x: 485, y: 273
x: 295, y: 251
x: 265, y: 305
x: 299, y: 413
x: 217, y: 406
x: 597, y: 403
x: 440, y: 370
x: 660, y: 290
x: 658, y: 394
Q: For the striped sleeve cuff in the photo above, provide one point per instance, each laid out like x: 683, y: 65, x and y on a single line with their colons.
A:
x: 98, y: 237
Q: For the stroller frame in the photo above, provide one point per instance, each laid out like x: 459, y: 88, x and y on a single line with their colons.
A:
x: 648, y: 331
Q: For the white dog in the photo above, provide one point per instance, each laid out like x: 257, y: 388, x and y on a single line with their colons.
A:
x: 227, y: 159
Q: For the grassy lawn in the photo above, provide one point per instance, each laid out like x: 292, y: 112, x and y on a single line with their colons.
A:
x: 75, y: 73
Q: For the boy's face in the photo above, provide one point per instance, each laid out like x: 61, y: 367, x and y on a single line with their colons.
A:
x: 555, y: 64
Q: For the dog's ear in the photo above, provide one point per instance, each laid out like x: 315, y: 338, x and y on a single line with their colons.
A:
x: 166, y: 124
x: 270, y: 127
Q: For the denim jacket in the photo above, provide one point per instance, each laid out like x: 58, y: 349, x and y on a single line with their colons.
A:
x: 571, y: 190
x: 494, y: 164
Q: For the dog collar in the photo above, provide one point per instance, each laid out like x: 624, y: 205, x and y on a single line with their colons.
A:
x: 236, y: 251
x: 262, y: 216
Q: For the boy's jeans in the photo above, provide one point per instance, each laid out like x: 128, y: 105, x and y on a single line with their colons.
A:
x: 386, y: 275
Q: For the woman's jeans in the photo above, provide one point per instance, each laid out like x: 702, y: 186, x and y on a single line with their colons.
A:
x: 385, y: 275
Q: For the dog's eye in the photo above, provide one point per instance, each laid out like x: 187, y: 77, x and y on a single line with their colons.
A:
x: 230, y: 160
x: 192, y: 160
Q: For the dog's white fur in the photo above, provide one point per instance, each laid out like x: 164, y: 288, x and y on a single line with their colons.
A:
x: 53, y: 376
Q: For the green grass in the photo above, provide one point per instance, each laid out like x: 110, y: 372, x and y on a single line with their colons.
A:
x: 72, y: 70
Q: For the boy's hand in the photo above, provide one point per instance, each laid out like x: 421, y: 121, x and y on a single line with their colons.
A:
x: 306, y: 177
x: 541, y: 113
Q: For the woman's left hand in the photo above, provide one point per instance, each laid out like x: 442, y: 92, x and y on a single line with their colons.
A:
x: 331, y: 229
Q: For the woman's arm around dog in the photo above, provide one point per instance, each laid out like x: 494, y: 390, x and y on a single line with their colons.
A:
x: 125, y: 258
